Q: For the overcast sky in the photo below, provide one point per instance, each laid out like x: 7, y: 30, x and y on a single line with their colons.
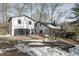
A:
x: 68, y: 7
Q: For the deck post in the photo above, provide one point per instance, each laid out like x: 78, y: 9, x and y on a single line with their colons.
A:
x: 30, y: 31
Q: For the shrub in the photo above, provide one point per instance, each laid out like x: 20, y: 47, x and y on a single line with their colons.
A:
x: 70, y: 35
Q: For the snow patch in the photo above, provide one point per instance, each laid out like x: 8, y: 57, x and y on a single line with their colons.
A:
x: 45, y: 51
x: 74, y: 50
x: 53, y: 27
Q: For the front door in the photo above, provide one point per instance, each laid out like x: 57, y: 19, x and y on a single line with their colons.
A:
x: 41, y: 31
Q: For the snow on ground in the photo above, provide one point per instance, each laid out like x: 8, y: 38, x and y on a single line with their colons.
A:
x: 74, y: 50
x: 46, y: 51
x: 53, y: 27
x: 31, y: 40
x: 36, y: 44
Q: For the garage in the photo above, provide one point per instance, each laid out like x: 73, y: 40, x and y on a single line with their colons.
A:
x: 21, y: 32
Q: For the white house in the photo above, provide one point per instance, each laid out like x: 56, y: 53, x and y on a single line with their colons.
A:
x: 21, y: 25
x: 24, y: 25
x: 45, y: 28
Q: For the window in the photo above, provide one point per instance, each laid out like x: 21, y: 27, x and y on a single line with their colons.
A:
x: 36, y: 24
x: 40, y: 24
x: 19, y: 21
x: 30, y: 22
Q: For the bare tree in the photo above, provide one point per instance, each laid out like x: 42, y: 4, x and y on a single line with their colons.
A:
x: 29, y: 8
x: 4, y: 12
x: 60, y: 15
x: 40, y: 11
x: 53, y: 8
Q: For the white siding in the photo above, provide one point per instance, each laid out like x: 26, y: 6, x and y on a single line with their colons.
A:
x: 24, y: 24
x: 42, y: 27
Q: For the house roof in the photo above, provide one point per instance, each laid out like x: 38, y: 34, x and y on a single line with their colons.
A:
x: 20, y: 16
x: 53, y: 27
x: 48, y: 25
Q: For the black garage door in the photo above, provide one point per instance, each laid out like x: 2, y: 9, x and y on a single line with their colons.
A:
x: 21, y: 31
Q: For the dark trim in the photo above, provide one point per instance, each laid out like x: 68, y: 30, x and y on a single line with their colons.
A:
x: 9, y: 19
x: 20, y: 16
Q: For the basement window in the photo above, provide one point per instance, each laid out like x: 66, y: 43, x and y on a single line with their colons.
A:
x: 19, y: 21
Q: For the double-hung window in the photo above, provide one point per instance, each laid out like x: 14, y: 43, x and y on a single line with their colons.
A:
x: 19, y: 21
